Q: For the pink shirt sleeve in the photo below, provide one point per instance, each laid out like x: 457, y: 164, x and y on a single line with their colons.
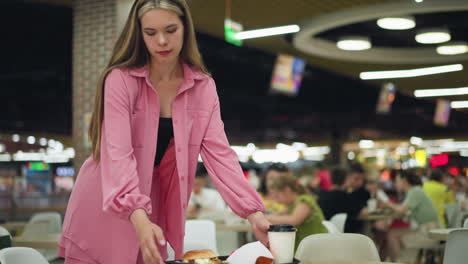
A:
x: 223, y: 166
x: 120, y: 181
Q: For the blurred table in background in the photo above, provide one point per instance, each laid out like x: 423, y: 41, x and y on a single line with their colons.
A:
x: 441, y: 234
x: 48, y: 242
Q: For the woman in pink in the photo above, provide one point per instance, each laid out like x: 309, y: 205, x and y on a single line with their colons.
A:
x: 156, y: 110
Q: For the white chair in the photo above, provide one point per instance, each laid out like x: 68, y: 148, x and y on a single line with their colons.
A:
x: 5, y: 238
x: 465, y: 225
x: 455, y: 249
x: 339, y: 220
x: 346, y: 247
x: 200, y: 234
x: 332, y: 229
x: 43, y: 225
x: 4, y: 232
x: 21, y: 255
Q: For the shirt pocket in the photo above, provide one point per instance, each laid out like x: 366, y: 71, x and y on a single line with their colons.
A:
x: 138, y: 128
x: 198, y: 121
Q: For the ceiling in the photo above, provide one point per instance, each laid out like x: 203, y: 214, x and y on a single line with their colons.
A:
x: 329, y: 104
x: 454, y: 21
x: 209, y: 18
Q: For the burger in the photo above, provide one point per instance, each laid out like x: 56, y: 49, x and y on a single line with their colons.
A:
x: 204, y: 256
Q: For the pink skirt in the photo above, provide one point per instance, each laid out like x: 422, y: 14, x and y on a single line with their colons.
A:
x: 165, y: 181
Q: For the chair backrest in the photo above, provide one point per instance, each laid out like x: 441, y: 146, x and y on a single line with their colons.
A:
x: 452, y: 212
x: 42, y: 224
x: 21, y: 255
x: 337, y: 247
x: 331, y: 227
x: 200, y: 234
x: 455, y: 248
x: 4, y: 232
x: 5, y: 238
x: 465, y: 225
x: 339, y: 220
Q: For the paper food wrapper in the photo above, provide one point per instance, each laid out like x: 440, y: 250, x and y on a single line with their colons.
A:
x: 248, y: 253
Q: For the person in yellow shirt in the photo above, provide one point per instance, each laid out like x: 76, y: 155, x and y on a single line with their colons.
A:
x: 439, y: 193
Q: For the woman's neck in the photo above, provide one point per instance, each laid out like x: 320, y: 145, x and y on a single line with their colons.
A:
x: 293, y: 198
x: 165, y: 72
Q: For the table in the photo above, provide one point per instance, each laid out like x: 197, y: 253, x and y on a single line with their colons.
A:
x: 346, y: 262
x: 370, y: 218
x: 14, y: 226
x: 441, y: 233
x: 376, y: 217
x: 49, y: 242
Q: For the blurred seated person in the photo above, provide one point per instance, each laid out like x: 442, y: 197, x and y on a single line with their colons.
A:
x: 302, y: 209
x: 308, y: 177
x: 357, y: 184
x: 204, y: 200
x: 422, y: 214
x: 271, y: 172
x: 338, y: 200
x: 324, y: 177
x: 458, y: 186
x: 439, y: 193
x: 375, y: 191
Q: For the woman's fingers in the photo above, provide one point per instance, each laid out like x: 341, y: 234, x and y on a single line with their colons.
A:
x: 159, y: 236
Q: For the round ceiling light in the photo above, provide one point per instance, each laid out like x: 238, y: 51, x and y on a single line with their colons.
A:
x: 354, y: 43
x: 453, y: 48
x: 433, y: 36
x: 397, y: 23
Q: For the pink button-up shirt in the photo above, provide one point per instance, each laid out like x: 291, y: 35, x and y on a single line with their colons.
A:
x: 106, y: 193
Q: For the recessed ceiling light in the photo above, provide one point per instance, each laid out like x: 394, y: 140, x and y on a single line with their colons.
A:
x: 433, y: 36
x: 453, y: 48
x: 265, y: 32
x: 396, y: 23
x: 418, y: 1
x: 441, y: 92
x: 459, y: 104
x: 354, y: 43
x: 375, y: 75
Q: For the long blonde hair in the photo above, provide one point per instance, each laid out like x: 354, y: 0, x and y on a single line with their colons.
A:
x: 130, y: 52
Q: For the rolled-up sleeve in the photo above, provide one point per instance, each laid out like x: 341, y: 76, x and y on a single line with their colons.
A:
x: 120, y: 181
x: 223, y: 166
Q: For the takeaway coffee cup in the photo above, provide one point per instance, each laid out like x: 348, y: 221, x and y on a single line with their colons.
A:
x: 282, y: 239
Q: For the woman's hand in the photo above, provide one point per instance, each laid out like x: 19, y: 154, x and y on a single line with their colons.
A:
x: 148, y: 235
x: 260, y: 226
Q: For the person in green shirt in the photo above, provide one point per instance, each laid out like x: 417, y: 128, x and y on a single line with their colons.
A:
x: 302, y: 210
x: 422, y: 214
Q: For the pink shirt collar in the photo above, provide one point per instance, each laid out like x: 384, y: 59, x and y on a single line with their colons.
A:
x: 190, y: 75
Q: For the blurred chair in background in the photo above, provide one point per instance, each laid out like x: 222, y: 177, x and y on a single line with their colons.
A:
x: 347, y: 247
x: 21, y: 255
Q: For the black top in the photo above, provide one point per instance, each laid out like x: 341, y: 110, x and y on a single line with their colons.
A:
x: 338, y: 201
x: 165, y: 134
x: 361, y: 195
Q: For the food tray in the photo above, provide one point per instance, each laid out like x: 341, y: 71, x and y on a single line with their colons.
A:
x: 222, y: 258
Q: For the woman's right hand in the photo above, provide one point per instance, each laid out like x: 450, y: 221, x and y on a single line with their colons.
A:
x: 148, y: 235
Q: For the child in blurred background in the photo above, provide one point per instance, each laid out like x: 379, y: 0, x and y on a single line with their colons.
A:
x: 302, y: 209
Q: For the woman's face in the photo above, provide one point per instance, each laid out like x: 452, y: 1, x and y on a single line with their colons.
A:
x: 272, y: 174
x: 284, y: 196
x: 163, y: 34
x: 400, y: 184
